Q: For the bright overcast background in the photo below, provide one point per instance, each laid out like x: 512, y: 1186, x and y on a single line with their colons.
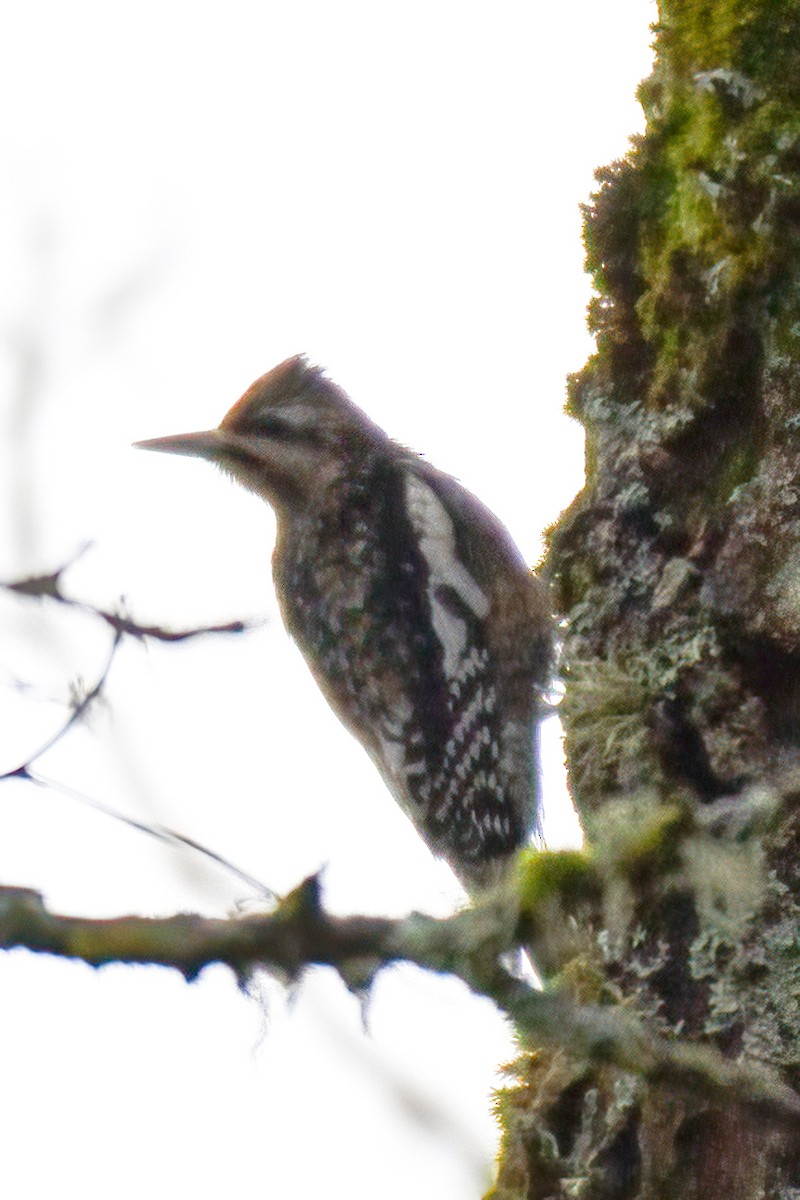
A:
x: 190, y: 193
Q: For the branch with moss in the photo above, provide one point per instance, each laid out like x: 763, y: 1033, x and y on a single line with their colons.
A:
x: 299, y: 933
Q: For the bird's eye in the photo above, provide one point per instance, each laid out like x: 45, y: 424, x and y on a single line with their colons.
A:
x: 273, y: 425
x: 282, y: 422
x: 269, y: 424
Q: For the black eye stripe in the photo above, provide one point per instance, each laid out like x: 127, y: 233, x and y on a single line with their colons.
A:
x: 274, y: 426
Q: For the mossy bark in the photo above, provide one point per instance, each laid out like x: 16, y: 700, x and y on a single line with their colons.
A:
x: 678, y: 570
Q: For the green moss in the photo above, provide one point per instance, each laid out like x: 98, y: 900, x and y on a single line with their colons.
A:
x: 760, y: 38
x: 584, y: 981
x: 737, y: 468
x: 604, y: 715
x: 728, y: 881
x: 639, y: 835
x: 529, y: 1153
x: 554, y: 875
x: 677, y: 567
x: 681, y: 234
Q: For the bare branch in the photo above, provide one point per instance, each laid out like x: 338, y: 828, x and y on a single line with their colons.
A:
x: 49, y: 586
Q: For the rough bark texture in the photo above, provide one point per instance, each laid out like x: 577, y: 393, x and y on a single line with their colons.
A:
x: 678, y: 569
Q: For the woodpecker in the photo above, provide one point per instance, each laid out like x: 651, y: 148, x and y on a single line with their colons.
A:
x: 427, y: 633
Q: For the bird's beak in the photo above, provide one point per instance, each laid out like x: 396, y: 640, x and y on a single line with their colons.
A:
x: 206, y: 443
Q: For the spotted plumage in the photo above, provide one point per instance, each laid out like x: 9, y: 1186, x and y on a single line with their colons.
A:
x: 423, y: 627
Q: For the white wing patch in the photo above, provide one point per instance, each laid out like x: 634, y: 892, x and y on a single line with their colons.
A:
x: 437, y: 542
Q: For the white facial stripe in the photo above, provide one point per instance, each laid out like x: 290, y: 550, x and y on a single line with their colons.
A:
x: 300, y: 415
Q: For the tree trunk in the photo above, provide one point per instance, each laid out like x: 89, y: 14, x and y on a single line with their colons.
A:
x: 678, y: 570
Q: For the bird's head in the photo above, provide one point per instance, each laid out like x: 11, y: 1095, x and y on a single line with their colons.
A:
x: 290, y: 436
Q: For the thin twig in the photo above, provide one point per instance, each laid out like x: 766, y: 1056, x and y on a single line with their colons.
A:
x: 48, y: 587
x: 23, y: 770
x: 156, y: 830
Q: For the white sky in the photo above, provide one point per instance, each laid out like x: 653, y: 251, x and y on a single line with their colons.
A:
x: 190, y: 193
